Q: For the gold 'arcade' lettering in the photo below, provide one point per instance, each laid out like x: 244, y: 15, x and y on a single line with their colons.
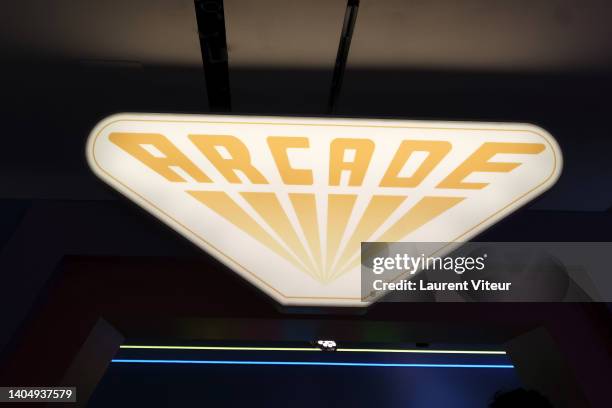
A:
x: 239, y: 160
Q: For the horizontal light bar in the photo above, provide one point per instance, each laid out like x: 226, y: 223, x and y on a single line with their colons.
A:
x: 311, y: 363
x: 419, y: 351
x: 356, y: 350
x: 221, y: 348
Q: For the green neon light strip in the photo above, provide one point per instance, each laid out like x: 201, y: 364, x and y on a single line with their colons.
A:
x: 356, y: 350
x: 221, y: 348
x: 420, y: 351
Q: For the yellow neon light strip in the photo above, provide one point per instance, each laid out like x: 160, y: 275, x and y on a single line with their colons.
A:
x: 356, y: 350
x: 423, y: 351
x: 221, y: 348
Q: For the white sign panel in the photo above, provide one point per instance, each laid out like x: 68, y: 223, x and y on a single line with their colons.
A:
x: 286, y: 202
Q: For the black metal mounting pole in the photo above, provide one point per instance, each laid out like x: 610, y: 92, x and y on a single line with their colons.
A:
x: 350, y: 18
x: 213, y: 45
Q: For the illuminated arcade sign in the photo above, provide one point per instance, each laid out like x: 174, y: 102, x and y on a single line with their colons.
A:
x: 286, y: 202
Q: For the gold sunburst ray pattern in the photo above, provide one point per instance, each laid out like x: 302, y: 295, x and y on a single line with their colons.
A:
x: 319, y: 251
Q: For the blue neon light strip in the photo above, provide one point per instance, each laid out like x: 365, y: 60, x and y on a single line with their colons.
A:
x: 311, y: 363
